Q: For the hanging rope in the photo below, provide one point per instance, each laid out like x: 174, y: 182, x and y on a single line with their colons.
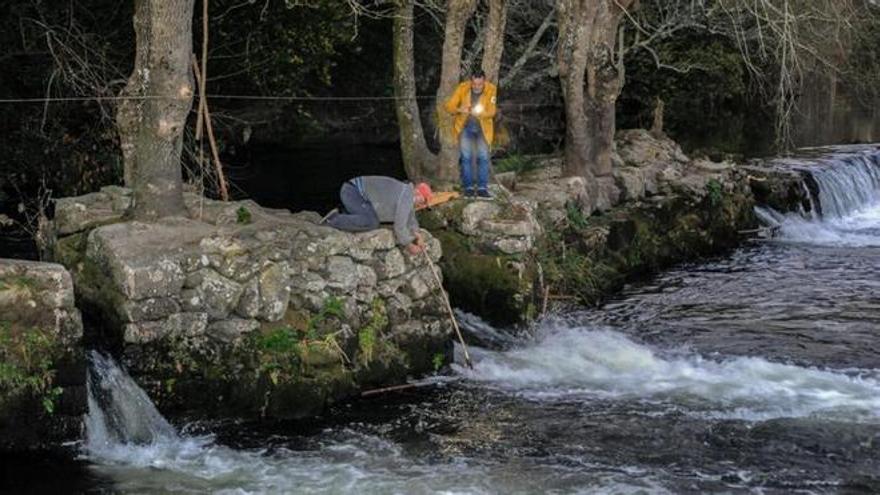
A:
x: 62, y: 99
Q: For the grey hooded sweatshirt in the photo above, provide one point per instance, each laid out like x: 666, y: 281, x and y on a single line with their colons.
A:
x: 393, y: 202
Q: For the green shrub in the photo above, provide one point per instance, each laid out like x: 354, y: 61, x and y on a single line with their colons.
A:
x: 27, y: 365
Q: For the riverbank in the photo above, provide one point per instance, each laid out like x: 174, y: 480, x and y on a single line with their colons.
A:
x: 242, y: 311
x: 549, y: 241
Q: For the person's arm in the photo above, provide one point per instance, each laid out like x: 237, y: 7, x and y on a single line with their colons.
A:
x: 404, y: 216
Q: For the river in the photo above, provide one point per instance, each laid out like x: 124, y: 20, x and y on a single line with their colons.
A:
x: 755, y: 372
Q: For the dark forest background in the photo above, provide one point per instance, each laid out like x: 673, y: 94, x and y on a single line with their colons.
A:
x: 294, y: 153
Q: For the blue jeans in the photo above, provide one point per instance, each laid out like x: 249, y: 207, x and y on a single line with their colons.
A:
x: 359, y: 215
x: 469, y: 143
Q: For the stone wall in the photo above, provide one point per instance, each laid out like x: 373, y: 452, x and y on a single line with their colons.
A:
x: 42, y: 377
x: 549, y: 240
x: 260, y: 310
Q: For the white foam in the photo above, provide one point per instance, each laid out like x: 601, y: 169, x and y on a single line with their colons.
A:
x: 859, y: 229
x: 849, y: 198
x: 581, y: 363
x: 130, y: 443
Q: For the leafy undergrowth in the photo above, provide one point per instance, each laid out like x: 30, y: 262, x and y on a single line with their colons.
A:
x: 27, y: 357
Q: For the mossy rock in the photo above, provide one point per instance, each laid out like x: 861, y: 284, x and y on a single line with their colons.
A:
x: 482, y: 283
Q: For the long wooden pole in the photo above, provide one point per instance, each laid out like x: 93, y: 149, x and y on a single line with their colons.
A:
x: 203, y: 107
x: 467, y: 356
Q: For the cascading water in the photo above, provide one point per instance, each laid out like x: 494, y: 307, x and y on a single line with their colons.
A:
x: 572, y: 362
x: 847, y: 183
x: 846, y: 201
x: 120, y: 412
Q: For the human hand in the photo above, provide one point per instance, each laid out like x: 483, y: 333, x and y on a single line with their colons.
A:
x: 417, y: 245
x: 464, y: 109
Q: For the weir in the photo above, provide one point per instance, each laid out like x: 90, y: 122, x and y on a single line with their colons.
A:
x: 844, y: 194
x: 846, y: 183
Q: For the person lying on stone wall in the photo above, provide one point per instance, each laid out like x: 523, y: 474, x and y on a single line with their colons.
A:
x: 370, y: 200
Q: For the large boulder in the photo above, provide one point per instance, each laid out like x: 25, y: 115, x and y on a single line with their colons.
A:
x: 42, y: 380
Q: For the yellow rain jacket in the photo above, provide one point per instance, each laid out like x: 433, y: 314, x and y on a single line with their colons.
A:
x: 462, y: 97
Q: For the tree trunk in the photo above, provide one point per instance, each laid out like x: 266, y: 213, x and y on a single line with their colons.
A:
x: 591, y: 74
x: 151, y: 128
x: 657, y: 124
x: 574, y: 29
x: 457, y: 14
x: 417, y: 159
x: 493, y: 35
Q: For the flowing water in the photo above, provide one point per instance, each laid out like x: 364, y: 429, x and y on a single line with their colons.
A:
x: 756, y: 372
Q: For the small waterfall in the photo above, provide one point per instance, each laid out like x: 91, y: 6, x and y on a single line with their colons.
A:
x: 846, y: 183
x: 844, y: 194
x: 120, y: 412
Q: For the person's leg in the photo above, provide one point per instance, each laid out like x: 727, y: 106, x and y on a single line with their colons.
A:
x: 360, y: 215
x: 466, y: 146
x: 482, y: 164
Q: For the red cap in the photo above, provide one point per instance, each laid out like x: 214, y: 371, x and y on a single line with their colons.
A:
x: 425, y: 191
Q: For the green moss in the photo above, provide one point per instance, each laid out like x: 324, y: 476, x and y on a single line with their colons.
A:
x: 516, y: 163
x: 368, y: 336
x: 640, y: 240
x: 19, y: 283
x: 70, y: 250
x: 480, y: 283
x: 243, y: 216
x: 438, y: 361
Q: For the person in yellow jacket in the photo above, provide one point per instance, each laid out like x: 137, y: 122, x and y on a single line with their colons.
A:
x: 474, y: 105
